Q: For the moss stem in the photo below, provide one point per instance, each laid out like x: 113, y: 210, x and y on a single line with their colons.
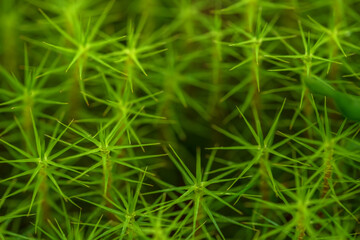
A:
x: 43, y: 196
x: 264, y: 189
x: 338, y: 15
x: 74, y: 96
x: 328, y: 162
x: 300, y: 227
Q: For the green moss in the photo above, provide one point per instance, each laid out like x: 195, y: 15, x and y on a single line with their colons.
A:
x: 179, y: 119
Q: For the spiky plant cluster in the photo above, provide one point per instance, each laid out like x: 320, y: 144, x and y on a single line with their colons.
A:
x: 179, y: 119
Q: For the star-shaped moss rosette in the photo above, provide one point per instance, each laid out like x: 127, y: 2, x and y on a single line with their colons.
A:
x: 83, y: 46
x: 108, y: 114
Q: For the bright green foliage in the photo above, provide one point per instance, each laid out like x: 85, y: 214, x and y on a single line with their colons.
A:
x: 179, y: 119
